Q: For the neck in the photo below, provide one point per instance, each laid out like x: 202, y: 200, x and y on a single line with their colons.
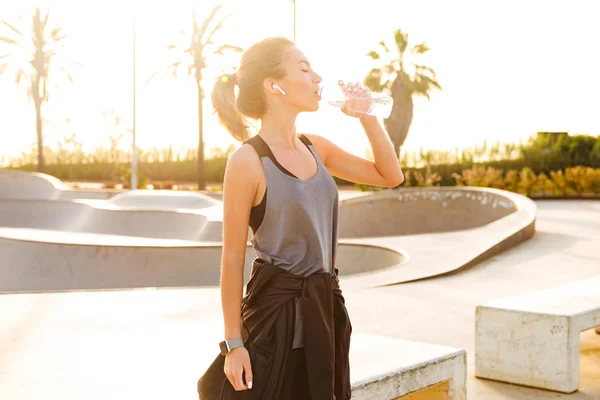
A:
x: 279, y: 128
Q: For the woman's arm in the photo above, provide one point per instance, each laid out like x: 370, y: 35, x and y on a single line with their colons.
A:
x: 239, y: 190
x: 384, y: 171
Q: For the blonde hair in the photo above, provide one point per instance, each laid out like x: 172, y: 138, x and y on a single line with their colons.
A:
x: 260, y: 61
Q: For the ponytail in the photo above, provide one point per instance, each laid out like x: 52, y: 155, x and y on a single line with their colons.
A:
x: 225, y: 104
x: 262, y: 60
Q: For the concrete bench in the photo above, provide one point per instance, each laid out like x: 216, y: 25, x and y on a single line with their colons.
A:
x: 533, y: 339
x: 385, y: 368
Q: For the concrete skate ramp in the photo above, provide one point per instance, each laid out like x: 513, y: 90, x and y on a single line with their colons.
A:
x: 440, y: 230
x: 28, y: 185
x: 161, y: 200
x: 422, y: 210
x: 168, y: 238
x: 40, y: 260
x: 80, y: 217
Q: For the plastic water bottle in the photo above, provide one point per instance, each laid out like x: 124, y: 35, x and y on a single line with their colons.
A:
x: 381, y: 105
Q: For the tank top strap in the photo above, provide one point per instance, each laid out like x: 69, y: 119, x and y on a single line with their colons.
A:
x: 263, y: 150
x: 259, y: 145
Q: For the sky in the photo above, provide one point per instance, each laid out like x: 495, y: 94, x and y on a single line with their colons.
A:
x: 507, y: 68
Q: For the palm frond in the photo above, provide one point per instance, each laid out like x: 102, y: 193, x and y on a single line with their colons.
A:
x: 3, y: 68
x: 215, y: 29
x: 151, y: 77
x: 8, y: 40
x: 423, y: 85
x: 373, y: 80
x: 45, y: 20
x: 401, y: 40
x: 374, y: 55
x: 207, y: 22
x: 173, y: 68
x: 55, y: 35
x: 421, y: 48
x: 20, y: 75
x: 228, y: 47
x: 12, y: 28
x: 382, y: 44
x: 36, y: 16
x: 69, y: 76
x: 420, y: 68
x: 390, y: 68
x: 434, y: 83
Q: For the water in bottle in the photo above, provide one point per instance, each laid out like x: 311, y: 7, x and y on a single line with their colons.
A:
x: 380, y: 106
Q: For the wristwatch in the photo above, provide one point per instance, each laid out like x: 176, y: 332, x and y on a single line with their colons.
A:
x: 229, y: 344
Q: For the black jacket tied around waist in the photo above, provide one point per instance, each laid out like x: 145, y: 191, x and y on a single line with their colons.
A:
x: 268, y: 315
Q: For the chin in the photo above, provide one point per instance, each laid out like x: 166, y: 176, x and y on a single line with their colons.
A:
x: 309, y: 106
x: 314, y: 107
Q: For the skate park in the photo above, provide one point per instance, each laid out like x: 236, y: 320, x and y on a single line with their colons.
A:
x: 110, y: 289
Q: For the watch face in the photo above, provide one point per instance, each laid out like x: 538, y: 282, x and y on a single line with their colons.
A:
x: 223, y: 347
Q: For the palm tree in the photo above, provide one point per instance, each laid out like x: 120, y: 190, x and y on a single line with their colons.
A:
x: 33, y: 58
x: 402, y: 83
x: 193, y: 56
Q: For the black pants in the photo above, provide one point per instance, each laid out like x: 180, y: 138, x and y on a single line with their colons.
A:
x: 295, y: 384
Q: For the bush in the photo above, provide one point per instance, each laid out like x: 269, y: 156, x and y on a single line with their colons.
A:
x: 479, y: 175
x: 548, y: 164
x: 582, y: 181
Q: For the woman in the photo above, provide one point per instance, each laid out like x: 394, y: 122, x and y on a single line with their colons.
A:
x: 288, y: 337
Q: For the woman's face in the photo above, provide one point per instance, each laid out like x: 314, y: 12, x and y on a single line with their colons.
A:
x: 301, y: 83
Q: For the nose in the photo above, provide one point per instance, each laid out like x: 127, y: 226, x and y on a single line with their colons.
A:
x: 317, y: 79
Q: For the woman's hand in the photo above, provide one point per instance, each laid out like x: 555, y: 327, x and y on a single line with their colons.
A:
x: 358, y: 99
x: 237, y: 361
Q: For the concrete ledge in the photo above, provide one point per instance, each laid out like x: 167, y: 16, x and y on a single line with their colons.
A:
x: 386, y: 368
x: 533, y: 339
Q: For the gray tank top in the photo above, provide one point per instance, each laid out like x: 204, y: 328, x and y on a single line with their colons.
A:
x: 299, y: 228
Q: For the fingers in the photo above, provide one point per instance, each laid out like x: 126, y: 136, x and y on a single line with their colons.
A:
x: 238, y: 382
x: 237, y: 370
x: 358, y: 98
x: 235, y: 378
x: 248, y: 372
x: 353, y: 87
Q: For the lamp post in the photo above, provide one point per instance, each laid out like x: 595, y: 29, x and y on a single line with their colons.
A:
x: 294, y: 1
x: 134, y: 165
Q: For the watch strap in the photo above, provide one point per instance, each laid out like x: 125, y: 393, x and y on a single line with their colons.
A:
x: 229, y: 344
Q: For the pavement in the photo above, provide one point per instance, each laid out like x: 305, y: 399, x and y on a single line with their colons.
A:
x: 155, y: 343
x: 442, y: 310
x: 92, y: 340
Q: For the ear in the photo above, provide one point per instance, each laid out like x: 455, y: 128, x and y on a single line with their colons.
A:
x: 268, y: 84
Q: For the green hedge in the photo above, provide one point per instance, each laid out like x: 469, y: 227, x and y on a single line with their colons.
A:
x: 544, y: 153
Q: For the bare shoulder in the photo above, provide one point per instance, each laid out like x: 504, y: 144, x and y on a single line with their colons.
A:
x: 241, y: 182
x: 244, y: 164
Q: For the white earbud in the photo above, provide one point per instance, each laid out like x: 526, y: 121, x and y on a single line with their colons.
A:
x: 276, y: 87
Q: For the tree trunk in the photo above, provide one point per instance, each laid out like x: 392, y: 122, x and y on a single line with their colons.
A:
x: 200, y: 165
x: 398, y: 123
x: 41, y: 165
